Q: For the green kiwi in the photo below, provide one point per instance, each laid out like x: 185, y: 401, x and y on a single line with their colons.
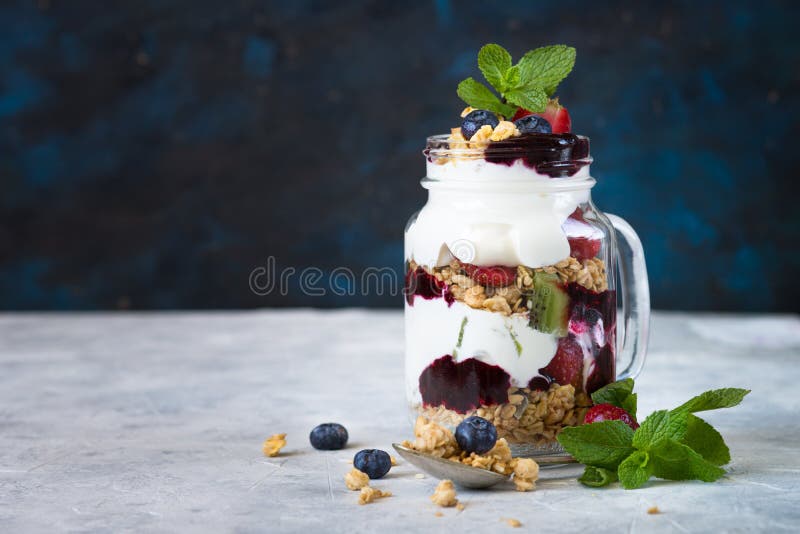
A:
x: 548, y: 305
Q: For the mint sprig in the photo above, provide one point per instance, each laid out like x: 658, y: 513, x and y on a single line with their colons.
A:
x: 670, y: 444
x: 528, y: 84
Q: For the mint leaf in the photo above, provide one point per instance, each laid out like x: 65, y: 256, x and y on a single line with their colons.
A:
x: 604, y: 444
x: 531, y: 98
x: 706, y: 441
x: 659, y: 425
x: 597, y: 477
x: 545, y: 67
x: 713, y: 400
x: 629, y: 404
x: 635, y: 470
x: 479, y: 96
x: 512, y: 77
x: 675, y: 461
x: 614, y: 393
x: 494, y: 62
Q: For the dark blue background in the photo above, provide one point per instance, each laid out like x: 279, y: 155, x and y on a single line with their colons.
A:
x: 153, y: 153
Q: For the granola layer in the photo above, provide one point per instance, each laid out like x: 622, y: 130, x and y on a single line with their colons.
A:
x: 512, y: 299
x: 529, y: 416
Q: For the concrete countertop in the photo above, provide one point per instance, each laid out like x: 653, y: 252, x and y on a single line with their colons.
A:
x: 126, y: 421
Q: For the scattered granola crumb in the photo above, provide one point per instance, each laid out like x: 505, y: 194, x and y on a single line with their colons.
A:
x: 445, y: 494
x: 433, y: 439
x: 526, y: 472
x: 460, y: 507
x: 419, y: 475
x: 369, y: 494
x: 273, y: 444
x: 355, y: 479
x: 513, y: 523
x: 393, y: 460
x: 438, y: 514
x: 653, y: 510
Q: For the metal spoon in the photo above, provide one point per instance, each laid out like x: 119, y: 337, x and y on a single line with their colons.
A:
x: 462, y: 474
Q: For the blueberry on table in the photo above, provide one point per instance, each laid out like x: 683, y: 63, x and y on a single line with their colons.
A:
x: 533, y: 124
x: 476, y: 434
x: 475, y: 119
x: 328, y: 437
x: 373, y: 462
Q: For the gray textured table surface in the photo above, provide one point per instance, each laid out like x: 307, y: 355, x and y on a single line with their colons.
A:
x: 113, y: 422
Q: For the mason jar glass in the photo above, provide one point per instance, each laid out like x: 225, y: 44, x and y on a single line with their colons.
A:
x: 511, y: 289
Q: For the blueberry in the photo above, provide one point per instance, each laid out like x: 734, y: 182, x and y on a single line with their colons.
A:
x: 328, y: 437
x: 375, y: 463
x: 533, y: 124
x: 476, y: 434
x: 475, y: 119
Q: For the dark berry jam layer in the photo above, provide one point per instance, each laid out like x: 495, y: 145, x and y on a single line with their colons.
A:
x: 592, y: 323
x: 463, y: 386
x: 418, y: 283
x: 555, y: 155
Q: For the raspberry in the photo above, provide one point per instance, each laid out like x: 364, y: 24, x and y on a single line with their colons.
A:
x: 494, y: 276
x: 609, y: 412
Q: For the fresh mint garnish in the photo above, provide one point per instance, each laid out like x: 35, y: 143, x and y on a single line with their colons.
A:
x: 494, y: 62
x: 547, y: 66
x: 619, y: 394
x: 635, y: 470
x: 528, y: 84
x: 713, y: 400
x: 603, y: 444
x: 597, y: 477
x: 670, y: 444
x: 517, y: 344
x: 479, y: 96
x: 460, y: 336
x: 672, y: 460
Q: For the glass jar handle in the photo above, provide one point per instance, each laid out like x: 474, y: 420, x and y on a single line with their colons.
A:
x: 635, y: 298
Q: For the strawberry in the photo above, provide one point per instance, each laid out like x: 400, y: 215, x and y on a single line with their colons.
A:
x: 556, y: 114
x: 577, y: 229
x: 521, y: 112
x: 582, y: 248
x: 566, y: 366
x: 493, y: 276
x: 558, y: 117
x: 609, y: 412
x: 577, y: 215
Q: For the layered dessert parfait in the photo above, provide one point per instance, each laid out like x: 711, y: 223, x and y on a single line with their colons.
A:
x: 510, y: 306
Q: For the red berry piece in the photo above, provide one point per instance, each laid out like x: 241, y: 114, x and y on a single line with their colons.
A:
x: 567, y: 365
x: 494, y: 276
x: 577, y: 215
x: 609, y: 412
x: 582, y: 248
x: 556, y: 114
x: 521, y: 113
x: 558, y: 117
x: 580, y: 235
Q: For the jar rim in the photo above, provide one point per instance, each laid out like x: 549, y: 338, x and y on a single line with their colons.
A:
x: 558, y: 185
x: 551, y: 159
x: 439, y: 146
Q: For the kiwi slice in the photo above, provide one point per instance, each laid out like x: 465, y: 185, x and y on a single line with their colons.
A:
x: 549, y: 304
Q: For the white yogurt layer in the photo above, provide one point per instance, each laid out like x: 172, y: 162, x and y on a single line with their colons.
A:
x: 432, y: 331
x: 504, y: 215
